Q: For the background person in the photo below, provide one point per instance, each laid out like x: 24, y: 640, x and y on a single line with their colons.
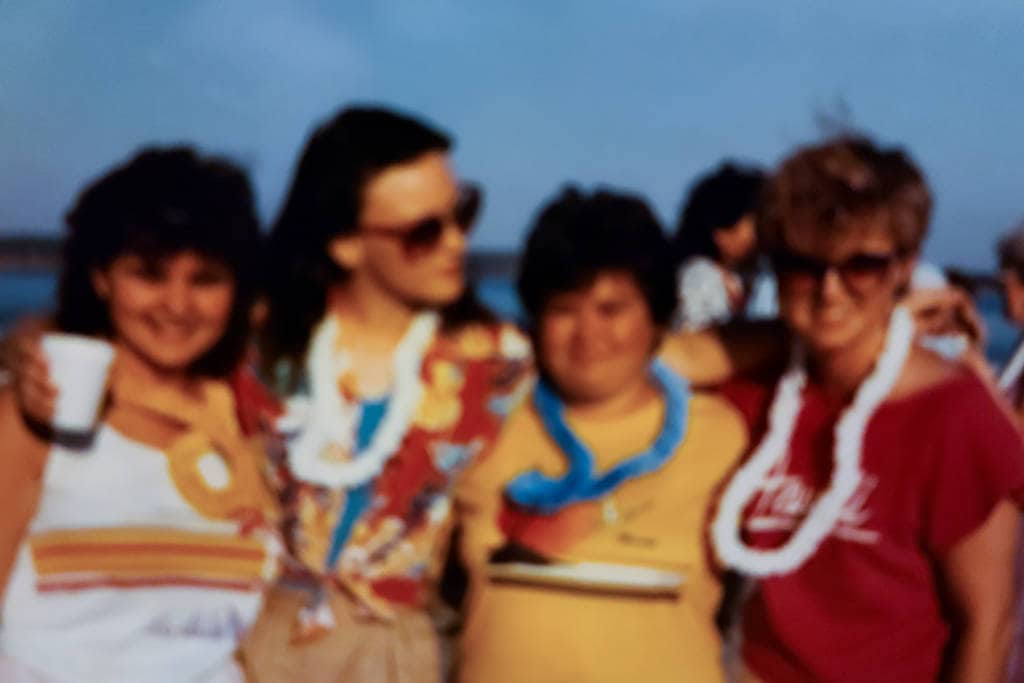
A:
x: 715, y: 245
x: 1010, y: 252
x: 1010, y: 255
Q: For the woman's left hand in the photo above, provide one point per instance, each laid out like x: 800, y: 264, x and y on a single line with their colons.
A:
x: 946, y: 311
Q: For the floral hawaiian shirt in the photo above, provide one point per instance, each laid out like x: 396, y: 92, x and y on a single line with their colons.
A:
x: 393, y: 550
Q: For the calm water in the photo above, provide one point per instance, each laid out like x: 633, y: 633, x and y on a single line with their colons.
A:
x: 23, y: 292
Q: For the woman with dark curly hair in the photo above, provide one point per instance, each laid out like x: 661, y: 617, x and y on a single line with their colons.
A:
x: 584, y: 529
x: 142, y: 553
x: 878, y: 511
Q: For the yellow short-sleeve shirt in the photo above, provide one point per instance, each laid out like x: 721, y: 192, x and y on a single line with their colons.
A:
x: 518, y: 632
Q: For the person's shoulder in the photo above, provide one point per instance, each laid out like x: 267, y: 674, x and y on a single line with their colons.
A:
x: 523, y: 420
x: 700, y: 272
x: 485, y: 341
x: 699, y: 266
x: 948, y: 397
x: 521, y: 438
x: 721, y: 419
x: 256, y: 406
x: 720, y: 399
x: 748, y: 395
x: 927, y: 376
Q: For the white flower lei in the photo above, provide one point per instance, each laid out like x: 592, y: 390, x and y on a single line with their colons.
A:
x: 325, y: 418
x: 846, y: 473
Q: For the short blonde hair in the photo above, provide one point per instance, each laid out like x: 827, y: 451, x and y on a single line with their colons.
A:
x: 841, y: 187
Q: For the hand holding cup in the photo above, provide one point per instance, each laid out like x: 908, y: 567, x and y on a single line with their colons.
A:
x: 78, y: 366
x: 22, y: 356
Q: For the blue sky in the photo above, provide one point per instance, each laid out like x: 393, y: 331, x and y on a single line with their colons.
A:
x: 638, y: 94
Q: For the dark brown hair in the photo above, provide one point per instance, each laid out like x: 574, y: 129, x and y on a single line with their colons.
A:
x: 341, y: 156
x: 162, y: 202
x: 576, y: 237
x: 717, y: 201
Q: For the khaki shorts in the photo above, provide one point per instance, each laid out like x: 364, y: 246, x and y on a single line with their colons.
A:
x: 356, y: 650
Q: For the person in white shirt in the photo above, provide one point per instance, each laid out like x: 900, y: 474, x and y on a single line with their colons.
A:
x: 716, y: 246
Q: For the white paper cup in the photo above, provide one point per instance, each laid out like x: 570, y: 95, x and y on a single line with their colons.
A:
x: 78, y: 369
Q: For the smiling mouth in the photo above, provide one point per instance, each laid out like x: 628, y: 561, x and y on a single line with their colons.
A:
x: 171, y: 333
x: 831, y: 316
x: 591, y: 360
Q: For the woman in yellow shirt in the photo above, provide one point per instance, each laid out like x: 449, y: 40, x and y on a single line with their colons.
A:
x: 584, y: 529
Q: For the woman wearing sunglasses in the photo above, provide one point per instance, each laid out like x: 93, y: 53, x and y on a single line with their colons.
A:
x: 390, y: 382
x: 142, y: 554
x: 877, y: 510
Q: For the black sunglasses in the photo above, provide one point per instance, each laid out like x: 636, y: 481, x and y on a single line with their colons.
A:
x: 425, y: 234
x: 859, y: 272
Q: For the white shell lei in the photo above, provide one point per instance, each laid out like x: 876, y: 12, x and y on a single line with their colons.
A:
x: 846, y: 474
x: 316, y: 423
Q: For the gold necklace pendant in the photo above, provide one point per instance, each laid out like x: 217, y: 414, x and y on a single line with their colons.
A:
x: 236, y: 484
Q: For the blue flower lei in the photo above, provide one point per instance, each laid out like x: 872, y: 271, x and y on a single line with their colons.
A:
x: 537, y: 491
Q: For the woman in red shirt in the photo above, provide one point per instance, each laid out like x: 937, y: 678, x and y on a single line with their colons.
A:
x: 878, y: 509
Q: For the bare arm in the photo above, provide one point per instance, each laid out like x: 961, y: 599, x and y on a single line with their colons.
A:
x: 23, y: 362
x: 23, y: 459
x: 478, y: 499
x: 712, y: 356
x: 715, y: 355
x: 979, y: 574
x: 946, y: 311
